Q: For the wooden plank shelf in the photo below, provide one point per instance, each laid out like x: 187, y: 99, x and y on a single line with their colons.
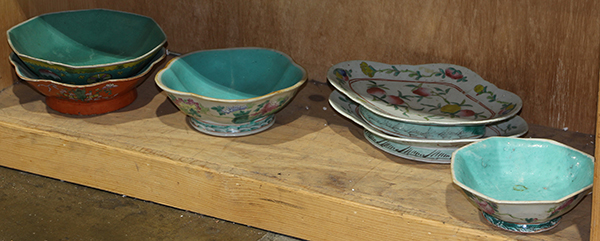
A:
x: 312, y: 175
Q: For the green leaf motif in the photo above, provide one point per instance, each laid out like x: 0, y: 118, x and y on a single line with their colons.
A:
x: 241, y: 113
x: 219, y: 109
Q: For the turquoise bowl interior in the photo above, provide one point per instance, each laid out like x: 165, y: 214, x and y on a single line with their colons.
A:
x: 512, y: 169
x: 232, y: 74
x: 87, y: 37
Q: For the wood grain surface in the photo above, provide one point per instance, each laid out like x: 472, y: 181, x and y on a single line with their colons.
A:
x: 547, y: 52
x: 595, y: 232
x: 10, y: 15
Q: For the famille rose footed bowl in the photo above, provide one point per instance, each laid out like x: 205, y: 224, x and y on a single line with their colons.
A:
x: 423, y: 150
x: 233, y: 91
x: 430, y: 94
x: 86, y: 46
x: 91, y: 99
x: 522, y: 185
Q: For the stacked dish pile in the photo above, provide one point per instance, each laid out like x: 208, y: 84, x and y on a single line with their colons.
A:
x: 423, y: 112
x: 86, y: 62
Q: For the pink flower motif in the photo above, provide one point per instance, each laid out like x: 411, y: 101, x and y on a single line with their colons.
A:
x: 187, y: 103
x: 268, y: 107
x: 564, y: 205
x: 108, y: 86
x: 485, y: 206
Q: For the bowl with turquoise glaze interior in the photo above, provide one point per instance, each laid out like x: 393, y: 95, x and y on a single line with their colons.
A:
x: 233, y: 91
x: 420, y: 131
x: 86, y: 46
x: 522, y: 185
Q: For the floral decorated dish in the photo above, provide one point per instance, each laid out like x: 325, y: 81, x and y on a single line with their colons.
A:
x: 513, y: 127
x: 86, y: 46
x: 522, y: 185
x: 410, y: 130
x: 92, y: 99
x: 231, y: 92
x: 432, y: 94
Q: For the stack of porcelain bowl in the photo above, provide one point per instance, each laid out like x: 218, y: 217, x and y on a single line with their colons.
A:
x: 423, y: 112
x: 86, y: 62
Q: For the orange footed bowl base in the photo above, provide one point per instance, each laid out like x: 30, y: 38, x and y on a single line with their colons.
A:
x: 72, y: 107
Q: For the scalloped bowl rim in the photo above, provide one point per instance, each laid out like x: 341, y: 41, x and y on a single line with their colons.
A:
x: 300, y: 82
x: 148, y: 68
x: 153, y: 50
x: 540, y: 202
x: 440, y: 123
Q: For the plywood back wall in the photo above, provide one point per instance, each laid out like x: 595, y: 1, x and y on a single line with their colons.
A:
x: 545, y: 51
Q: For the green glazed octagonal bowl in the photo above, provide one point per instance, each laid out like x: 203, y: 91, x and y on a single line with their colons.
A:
x: 86, y: 46
x: 522, y: 185
x: 231, y: 92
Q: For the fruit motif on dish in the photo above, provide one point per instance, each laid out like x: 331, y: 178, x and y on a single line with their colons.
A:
x: 437, y: 94
x: 376, y: 90
x: 421, y: 91
x: 454, y: 74
x: 451, y: 109
x: 379, y: 94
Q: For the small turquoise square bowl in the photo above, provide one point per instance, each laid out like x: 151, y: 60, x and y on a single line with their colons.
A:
x: 86, y: 46
x: 233, y: 91
x: 522, y: 185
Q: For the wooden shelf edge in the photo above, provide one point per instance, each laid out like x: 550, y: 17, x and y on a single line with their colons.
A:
x: 595, y: 223
x: 283, y: 209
